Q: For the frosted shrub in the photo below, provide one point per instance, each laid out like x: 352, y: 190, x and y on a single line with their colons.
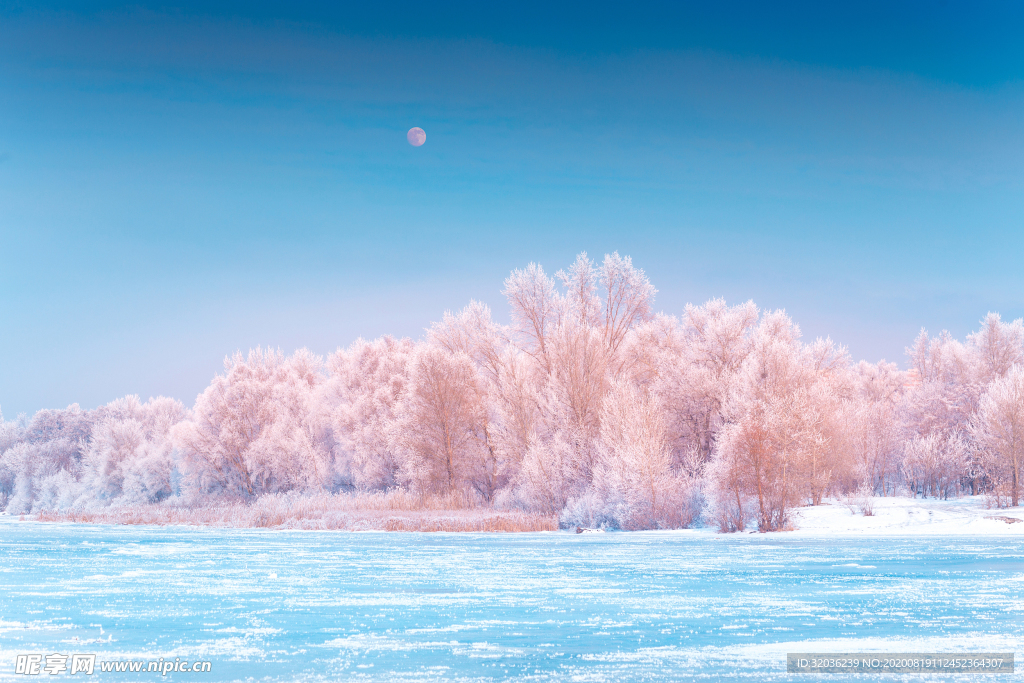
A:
x: 547, y: 476
x: 17, y: 472
x: 9, y: 471
x: 589, y: 511
x: 726, y: 502
x: 58, y: 491
x: 861, y: 500
x: 635, y: 481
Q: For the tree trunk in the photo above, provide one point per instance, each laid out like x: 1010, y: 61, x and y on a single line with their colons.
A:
x: 1014, y: 493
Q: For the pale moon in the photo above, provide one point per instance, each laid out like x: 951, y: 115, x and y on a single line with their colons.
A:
x: 416, y: 136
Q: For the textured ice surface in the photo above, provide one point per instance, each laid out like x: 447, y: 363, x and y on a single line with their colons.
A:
x: 293, y: 605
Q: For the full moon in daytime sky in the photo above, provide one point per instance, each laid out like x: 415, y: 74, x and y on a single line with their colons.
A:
x: 416, y: 136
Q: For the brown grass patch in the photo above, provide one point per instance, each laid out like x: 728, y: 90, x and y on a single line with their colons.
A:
x: 390, y: 511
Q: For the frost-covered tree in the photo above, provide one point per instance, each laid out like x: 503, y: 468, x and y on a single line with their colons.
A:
x: 699, y: 370
x: 439, y: 425
x: 951, y: 378
x: 635, y: 483
x: 10, y: 435
x: 780, y: 443
x: 41, y: 468
x: 536, y: 308
x: 473, y: 333
x: 998, y: 346
x: 999, y: 429
x: 130, y: 457
x: 574, y: 338
x: 628, y: 298
x: 363, y: 389
x: 248, y: 434
x: 871, y: 433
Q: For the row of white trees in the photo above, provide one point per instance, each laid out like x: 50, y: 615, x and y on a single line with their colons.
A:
x: 588, y: 405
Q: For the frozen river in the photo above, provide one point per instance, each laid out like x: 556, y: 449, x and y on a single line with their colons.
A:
x: 292, y: 605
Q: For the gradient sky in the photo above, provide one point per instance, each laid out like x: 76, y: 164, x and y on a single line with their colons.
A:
x: 180, y: 181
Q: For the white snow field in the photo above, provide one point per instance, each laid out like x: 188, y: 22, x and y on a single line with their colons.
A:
x: 278, y: 605
x: 910, y: 517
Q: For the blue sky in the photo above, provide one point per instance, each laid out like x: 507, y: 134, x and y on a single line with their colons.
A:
x: 181, y: 181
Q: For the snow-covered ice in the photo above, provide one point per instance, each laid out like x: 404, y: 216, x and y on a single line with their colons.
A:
x: 694, y: 605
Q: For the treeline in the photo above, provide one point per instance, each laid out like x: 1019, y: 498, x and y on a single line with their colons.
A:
x: 588, y: 405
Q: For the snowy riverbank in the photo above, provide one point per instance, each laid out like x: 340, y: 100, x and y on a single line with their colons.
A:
x: 910, y: 517
x: 967, y: 516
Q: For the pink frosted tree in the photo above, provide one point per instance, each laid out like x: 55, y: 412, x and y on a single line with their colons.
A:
x: 129, y: 459
x: 636, y: 483
x: 439, y: 425
x: 999, y: 429
x: 247, y: 433
x: 363, y: 388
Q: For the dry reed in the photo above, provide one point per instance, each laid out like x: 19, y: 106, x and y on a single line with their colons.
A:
x: 385, y: 511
